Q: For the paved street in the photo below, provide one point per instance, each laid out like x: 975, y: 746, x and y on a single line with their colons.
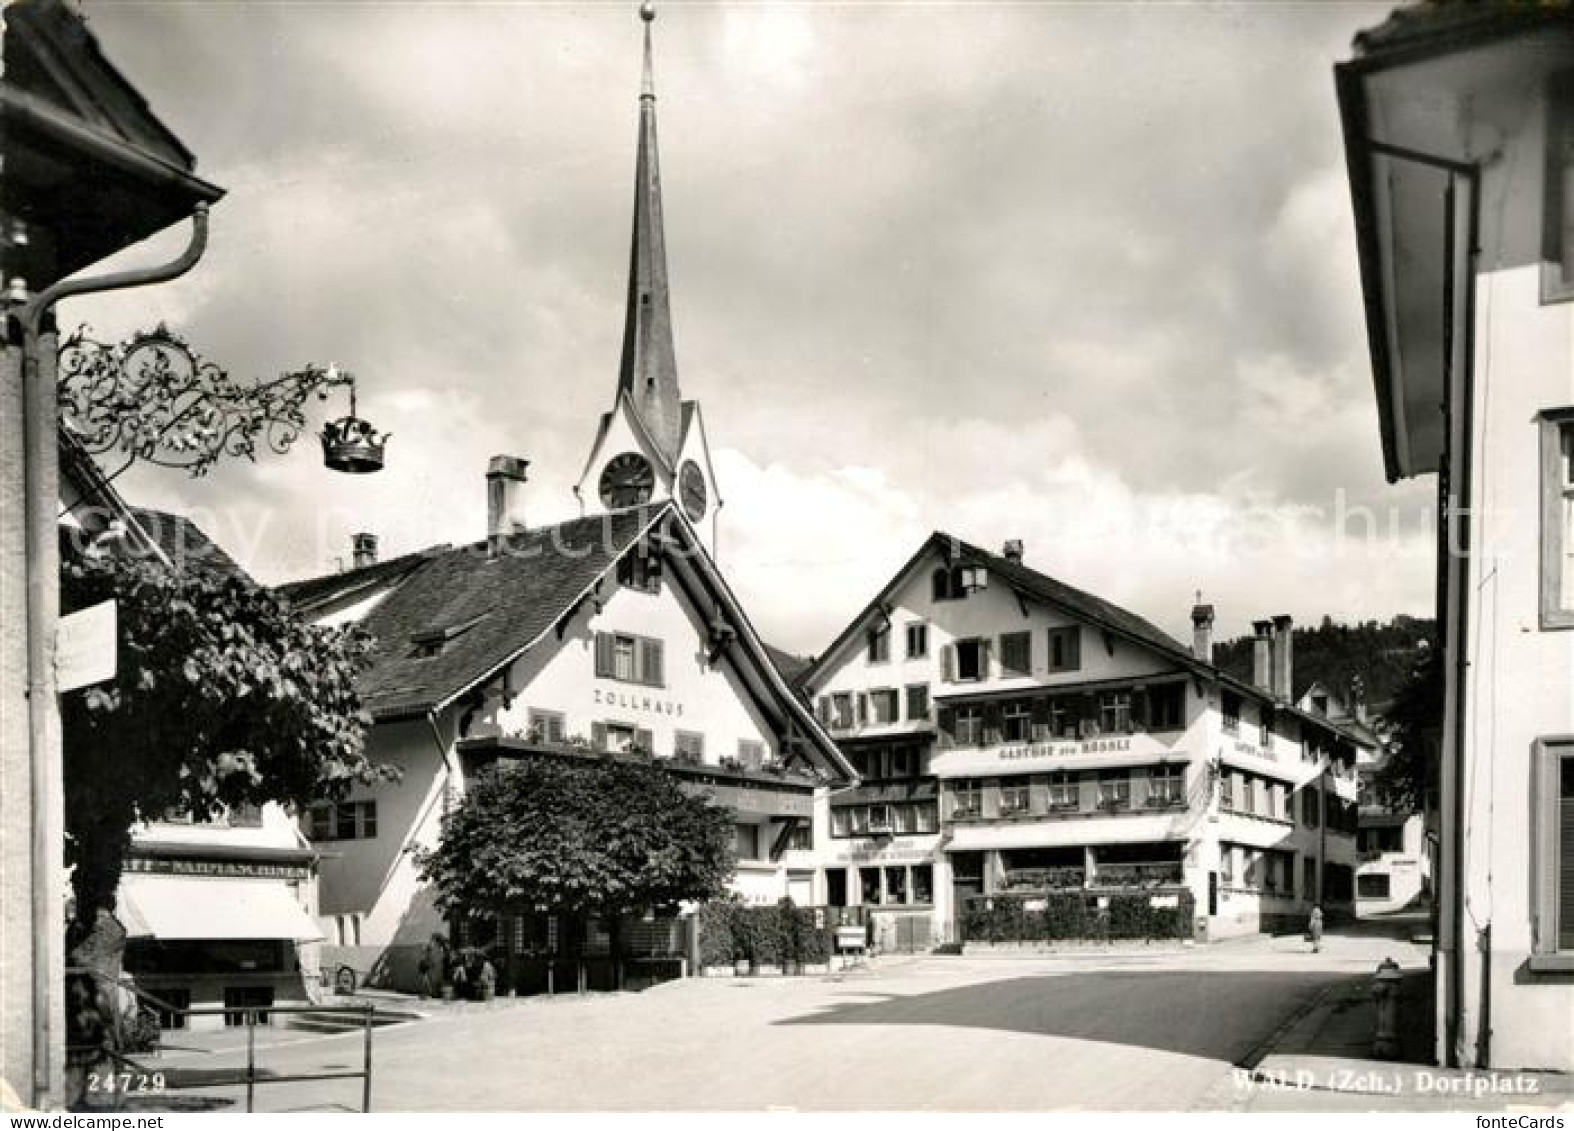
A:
x: 1132, y: 1030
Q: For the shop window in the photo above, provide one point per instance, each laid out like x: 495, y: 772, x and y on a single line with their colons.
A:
x: 1557, y: 234
x: 629, y: 659
x: 918, y: 702
x: 1016, y: 653
x: 879, y: 643
x: 1065, y: 648
x: 869, y: 885
x: 178, y: 998
x: 546, y: 726
x: 896, y: 885
x: 1015, y: 798
x: 1553, y: 849
x: 249, y: 1003
x: 836, y: 887
x: 923, y: 883
x: 1557, y: 518
x: 917, y: 641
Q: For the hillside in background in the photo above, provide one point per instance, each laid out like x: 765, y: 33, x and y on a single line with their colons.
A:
x: 1331, y: 654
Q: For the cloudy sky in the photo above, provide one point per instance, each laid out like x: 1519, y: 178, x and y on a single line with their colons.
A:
x: 1082, y: 275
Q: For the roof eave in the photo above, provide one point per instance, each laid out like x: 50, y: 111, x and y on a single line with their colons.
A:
x: 1349, y: 83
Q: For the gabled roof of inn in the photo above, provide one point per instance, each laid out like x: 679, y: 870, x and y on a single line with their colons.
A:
x: 1079, y: 603
x: 1031, y: 583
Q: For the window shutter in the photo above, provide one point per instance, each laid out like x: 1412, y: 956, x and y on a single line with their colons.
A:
x: 646, y: 740
x: 598, y: 736
x: 863, y: 708
x: 985, y: 649
x: 823, y: 710
x: 651, y: 662
x: 945, y: 722
x: 604, y: 654
x: 1074, y: 647
x: 948, y: 663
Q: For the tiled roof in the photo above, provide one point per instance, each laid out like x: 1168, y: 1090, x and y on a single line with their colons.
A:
x: 1442, y: 25
x: 311, y: 591
x: 789, y: 665
x: 490, y: 608
x: 1072, y: 599
x: 185, y: 544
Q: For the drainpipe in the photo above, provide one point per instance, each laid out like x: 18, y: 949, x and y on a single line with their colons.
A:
x: 41, y: 432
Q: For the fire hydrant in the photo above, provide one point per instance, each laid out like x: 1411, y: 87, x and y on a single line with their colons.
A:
x: 1385, y: 993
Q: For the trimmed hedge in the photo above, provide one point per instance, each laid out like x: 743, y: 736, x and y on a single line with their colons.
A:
x: 731, y: 930
x: 1076, y: 915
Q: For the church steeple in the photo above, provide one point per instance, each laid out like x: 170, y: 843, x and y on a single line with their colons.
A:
x: 649, y: 369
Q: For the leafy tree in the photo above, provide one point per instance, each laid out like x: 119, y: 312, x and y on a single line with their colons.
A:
x: 577, y: 838
x: 221, y: 699
x: 1407, y: 778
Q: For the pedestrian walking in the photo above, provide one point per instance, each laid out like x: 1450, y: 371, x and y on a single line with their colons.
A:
x: 1314, y: 929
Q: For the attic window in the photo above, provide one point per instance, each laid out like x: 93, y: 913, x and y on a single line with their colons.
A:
x: 431, y: 642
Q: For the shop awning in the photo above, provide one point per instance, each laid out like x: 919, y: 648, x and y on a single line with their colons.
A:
x: 183, y: 907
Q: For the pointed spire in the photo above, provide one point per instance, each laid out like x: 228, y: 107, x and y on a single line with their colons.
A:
x: 649, y: 369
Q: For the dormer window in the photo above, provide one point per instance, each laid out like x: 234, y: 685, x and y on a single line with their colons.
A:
x: 430, y: 642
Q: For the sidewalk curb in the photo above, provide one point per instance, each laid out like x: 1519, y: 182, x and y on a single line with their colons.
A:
x: 1265, y: 1047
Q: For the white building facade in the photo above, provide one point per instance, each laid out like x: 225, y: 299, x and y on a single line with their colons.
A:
x: 1014, y: 734
x: 1459, y: 134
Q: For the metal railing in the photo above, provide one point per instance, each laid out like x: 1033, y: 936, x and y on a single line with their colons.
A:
x: 250, y: 1017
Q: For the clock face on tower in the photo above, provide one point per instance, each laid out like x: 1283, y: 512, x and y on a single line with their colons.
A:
x: 691, y: 490
x: 627, y: 481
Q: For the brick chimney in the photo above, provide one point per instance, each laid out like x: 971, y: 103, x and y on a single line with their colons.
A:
x: 1262, y: 654
x: 363, y: 550
x: 1283, y: 645
x: 1012, y: 550
x: 505, y: 500
x: 1202, y: 632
